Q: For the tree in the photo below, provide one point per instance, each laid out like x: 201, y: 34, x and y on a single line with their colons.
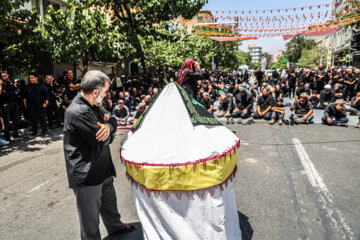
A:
x: 295, y: 47
x: 140, y: 19
x: 280, y: 64
x: 312, y: 57
x: 80, y: 33
x: 244, y: 58
x: 19, y: 39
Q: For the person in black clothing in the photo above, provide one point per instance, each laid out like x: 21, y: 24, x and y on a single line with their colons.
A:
x: 349, y: 84
x: 259, y: 75
x: 357, y: 84
x: 275, y: 77
x: 72, y: 85
x: 88, y: 132
x: 189, y: 74
x: 335, y: 114
x: 315, y: 100
x: 36, y: 100
x: 339, y: 92
x: 337, y: 77
x: 303, y: 110
x: 52, y: 110
x: 278, y: 92
x: 207, y: 102
x: 292, y: 82
x: 63, y: 106
x: 243, y: 105
x: 141, y: 109
x: 320, y: 78
x: 264, y: 104
x: 10, y: 108
x: 226, y: 107
x: 310, y: 78
x: 301, y: 90
x: 327, y: 96
x: 355, y: 107
x: 278, y: 112
x: 301, y: 76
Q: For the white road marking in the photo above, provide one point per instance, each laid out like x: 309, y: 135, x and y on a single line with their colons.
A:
x: 324, y: 193
x: 38, y: 187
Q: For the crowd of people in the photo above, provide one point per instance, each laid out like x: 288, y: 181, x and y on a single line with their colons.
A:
x: 230, y: 94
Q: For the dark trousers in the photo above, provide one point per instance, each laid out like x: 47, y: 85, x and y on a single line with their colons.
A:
x: 37, y: 114
x: 277, y: 116
x: 348, y: 92
x: 95, y: 201
x: 11, y: 113
x: 292, y: 90
x: 266, y: 117
x: 335, y: 120
x: 319, y: 86
x: 240, y: 114
x: 52, y: 113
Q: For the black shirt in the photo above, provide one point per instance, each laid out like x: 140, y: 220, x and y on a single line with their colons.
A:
x: 259, y: 75
x: 292, y: 79
x: 207, y: 104
x: 244, y: 102
x: 300, y: 91
x: 36, y: 95
x: 327, y: 96
x: 277, y: 93
x: 265, y: 102
x: 51, y: 91
x: 330, y: 111
x: 71, y: 94
x: 302, y: 109
x: 88, y: 161
x: 9, y: 93
x: 225, y: 106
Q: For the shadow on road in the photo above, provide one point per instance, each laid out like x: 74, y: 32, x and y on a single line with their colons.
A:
x: 28, y: 144
x: 135, y: 235
x: 245, y: 227
x: 246, y: 231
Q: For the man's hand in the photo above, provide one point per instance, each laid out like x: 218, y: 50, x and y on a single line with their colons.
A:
x: 103, y: 133
x: 44, y: 105
x: 227, y: 115
x: 329, y: 120
x: 106, y: 117
x: 304, y: 118
x: 236, y: 110
x: 245, y: 111
x: 3, y: 127
x: 261, y: 114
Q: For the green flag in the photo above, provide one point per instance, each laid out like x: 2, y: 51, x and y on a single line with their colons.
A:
x: 285, y: 60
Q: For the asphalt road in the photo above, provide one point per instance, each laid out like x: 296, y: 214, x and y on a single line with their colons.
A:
x: 299, y: 182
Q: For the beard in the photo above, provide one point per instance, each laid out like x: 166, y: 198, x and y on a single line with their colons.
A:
x: 99, y: 100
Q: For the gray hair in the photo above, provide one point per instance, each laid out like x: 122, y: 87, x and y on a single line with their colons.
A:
x: 339, y: 101
x: 142, y: 105
x: 93, y: 79
x: 304, y: 95
x: 206, y: 94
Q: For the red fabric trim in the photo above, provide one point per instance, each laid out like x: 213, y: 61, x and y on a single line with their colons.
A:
x: 237, y: 144
x: 179, y: 194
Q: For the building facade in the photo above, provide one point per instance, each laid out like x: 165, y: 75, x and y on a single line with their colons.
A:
x: 256, y: 53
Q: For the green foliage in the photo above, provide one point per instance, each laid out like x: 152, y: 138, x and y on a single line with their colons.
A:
x: 244, y: 58
x: 140, y: 20
x: 280, y: 64
x: 19, y: 38
x: 80, y: 33
x: 295, y: 47
x: 312, y: 57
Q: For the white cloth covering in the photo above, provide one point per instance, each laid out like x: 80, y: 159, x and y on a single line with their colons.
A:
x: 167, y: 135
x: 208, y: 218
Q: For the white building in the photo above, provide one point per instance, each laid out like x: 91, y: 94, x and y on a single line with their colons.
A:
x: 256, y: 53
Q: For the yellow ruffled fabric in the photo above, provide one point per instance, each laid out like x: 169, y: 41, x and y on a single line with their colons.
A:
x: 185, y: 178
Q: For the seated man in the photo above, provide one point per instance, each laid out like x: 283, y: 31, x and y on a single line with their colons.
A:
x: 264, y: 105
x: 140, y: 111
x: 278, y: 92
x: 207, y: 102
x: 338, y: 91
x: 301, y: 90
x: 278, y: 112
x: 122, y: 113
x: 314, y: 99
x: 327, y: 96
x: 243, y: 105
x: 335, y: 114
x: 355, y: 107
x: 226, y: 107
x: 303, y: 110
